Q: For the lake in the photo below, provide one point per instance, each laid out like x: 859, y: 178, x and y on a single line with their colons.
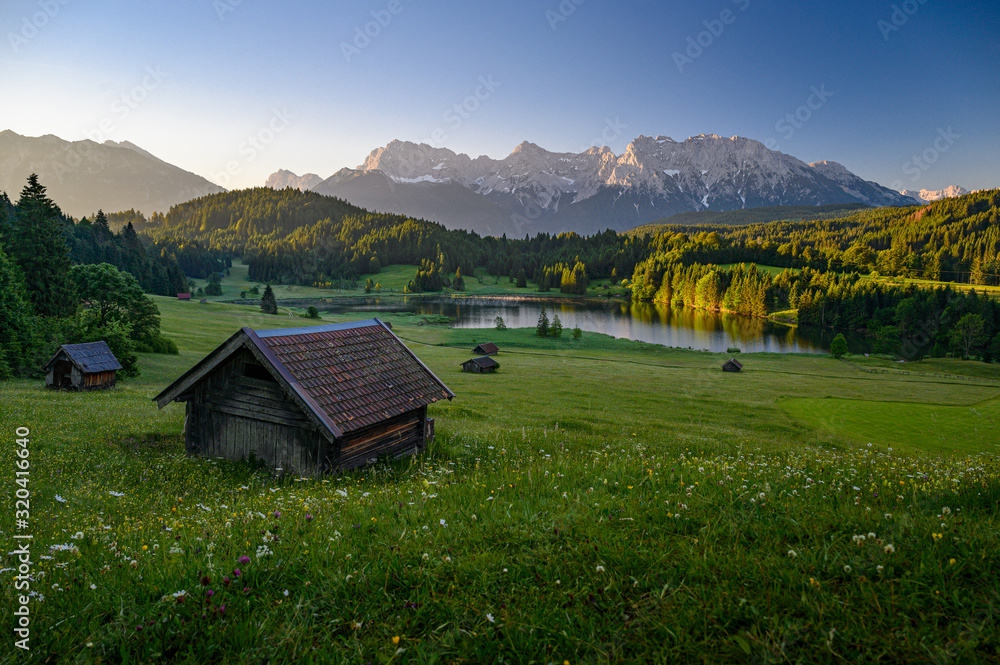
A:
x: 648, y: 322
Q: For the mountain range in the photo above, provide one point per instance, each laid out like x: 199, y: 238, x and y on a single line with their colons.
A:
x: 533, y: 189
x: 84, y: 176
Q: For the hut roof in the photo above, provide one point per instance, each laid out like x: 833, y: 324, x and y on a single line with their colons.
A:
x: 89, y: 357
x: 486, y: 348
x: 346, y: 375
x: 484, y: 362
x: 734, y: 363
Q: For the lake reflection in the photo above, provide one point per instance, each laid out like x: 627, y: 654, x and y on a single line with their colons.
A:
x: 648, y: 322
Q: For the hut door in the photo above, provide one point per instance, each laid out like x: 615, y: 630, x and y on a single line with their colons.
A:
x: 63, y: 374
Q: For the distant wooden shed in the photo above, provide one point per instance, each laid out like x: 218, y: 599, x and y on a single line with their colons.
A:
x: 480, y: 365
x: 184, y: 296
x: 486, y: 349
x: 88, y: 366
x: 308, y: 400
x: 732, y: 365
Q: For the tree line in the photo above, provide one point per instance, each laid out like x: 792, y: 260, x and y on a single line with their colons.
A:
x: 58, y: 285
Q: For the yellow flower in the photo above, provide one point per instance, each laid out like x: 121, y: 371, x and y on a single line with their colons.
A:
x: 951, y: 562
x: 395, y: 640
x: 144, y: 548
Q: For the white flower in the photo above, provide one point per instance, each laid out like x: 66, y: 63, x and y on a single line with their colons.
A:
x: 447, y: 559
x: 879, y: 568
x: 443, y: 523
x: 871, y: 535
x: 426, y: 556
x: 847, y: 569
x: 600, y: 569
x: 792, y: 553
x: 113, y: 493
x: 286, y: 593
x: 890, y: 548
x: 946, y: 511
x: 77, y: 536
x: 60, y: 499
x: 263, y: 551
x: 489, y: 617
x: 505, y: 570
x: 93, y: 586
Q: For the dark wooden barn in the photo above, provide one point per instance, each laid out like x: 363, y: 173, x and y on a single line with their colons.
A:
x: 89, y: 366
x: 486, y: 349
x: 310, y: 400
x: 480, y: 365
x: 732, y: 365
x: 184, y: 296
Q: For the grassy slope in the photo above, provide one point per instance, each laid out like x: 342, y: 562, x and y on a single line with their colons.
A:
x: 582, y: 504
x: 392, y: 280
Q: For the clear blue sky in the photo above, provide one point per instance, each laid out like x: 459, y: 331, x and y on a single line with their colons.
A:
x: 192, y: 80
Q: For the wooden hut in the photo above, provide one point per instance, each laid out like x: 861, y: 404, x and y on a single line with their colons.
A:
x: 184, y: 296
x: 732, y: 365
x: 480, y: 365
x: 308, y: 401
x: 486, y: 349
x: 89, y: 366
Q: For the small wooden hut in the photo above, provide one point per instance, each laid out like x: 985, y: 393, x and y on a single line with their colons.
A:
x: 486, y: 349
x: 480, y: 365
x: 732, y: 365
x: 184, y: 296
x: 308, y: 401
x: 89, y: 366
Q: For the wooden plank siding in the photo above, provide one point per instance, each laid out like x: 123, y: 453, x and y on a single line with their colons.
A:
x: 396, y: 437
x: 237, y: 417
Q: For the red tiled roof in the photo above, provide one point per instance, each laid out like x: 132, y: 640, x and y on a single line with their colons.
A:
x: 357, y: 374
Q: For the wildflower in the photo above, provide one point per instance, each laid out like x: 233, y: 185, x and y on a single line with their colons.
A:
x: 134, y: 563
x: 395, y: 639
x: 847, y: 569
x: 951, y: 562
x: 443, y: 523
x: 871, y: 535
x: 792, y: 554
x: 244, y: 560
x: 308, y: 517
x: 600, y: 569
x: 890, y: 548
x: 447, y: 559
x: 937, y: 536
x: 226, y: 581
x: 144, y: 548
x: 237, y: 572
x: 94, y: 586
x: 879, y: 568
x: 209, y: 593
x: 426, y: 556
x: 77, y: 536
x: 286, y: 593
x: 277, y: 514
x: 356, y: 625
x: 946, y: 511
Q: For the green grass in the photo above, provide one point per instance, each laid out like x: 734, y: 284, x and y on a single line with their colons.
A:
x: 392, y: 280
x: 596, y: 500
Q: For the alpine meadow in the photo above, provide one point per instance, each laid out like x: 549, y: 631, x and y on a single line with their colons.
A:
x: 328, y: 335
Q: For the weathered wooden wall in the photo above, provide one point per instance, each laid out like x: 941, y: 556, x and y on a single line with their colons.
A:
x: 396, y: 437
x: 79, y: 380
x: 233, y: 415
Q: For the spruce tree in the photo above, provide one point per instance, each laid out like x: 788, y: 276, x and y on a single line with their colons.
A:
x: 15, y: 319
x: 39, y: 248
x: 268, y: 304
x: 542, y: 327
